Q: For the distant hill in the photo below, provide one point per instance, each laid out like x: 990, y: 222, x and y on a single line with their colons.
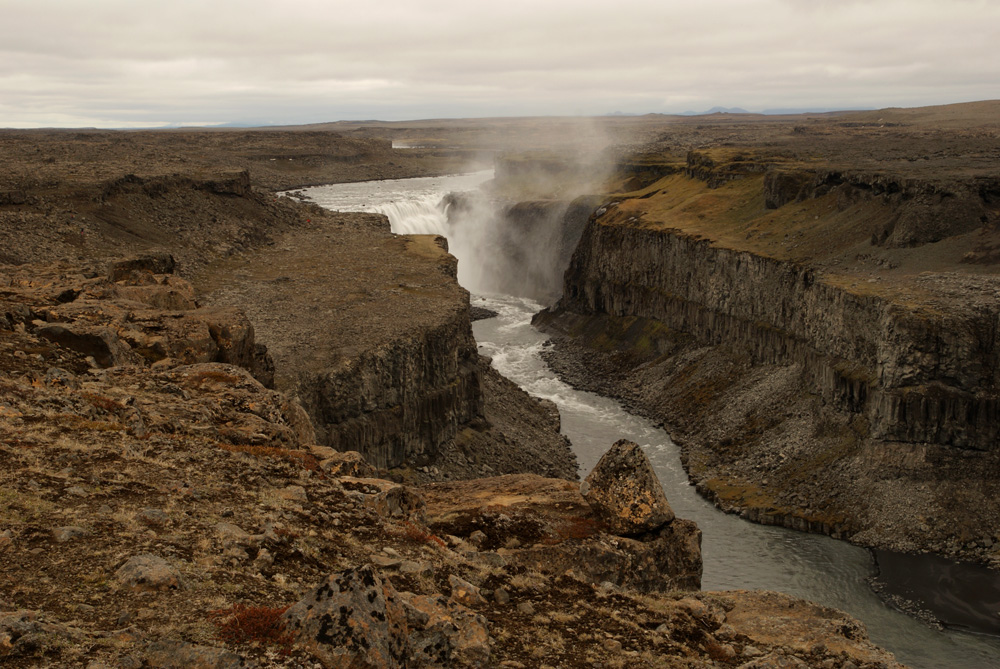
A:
x: 717, y: 110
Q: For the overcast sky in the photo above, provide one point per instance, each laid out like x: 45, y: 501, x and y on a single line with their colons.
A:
x: 130, y: 63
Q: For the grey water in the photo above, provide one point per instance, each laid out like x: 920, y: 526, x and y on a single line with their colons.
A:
x: 738, y: 555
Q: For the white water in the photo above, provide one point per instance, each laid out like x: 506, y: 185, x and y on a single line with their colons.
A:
x: 413, y: 206
x: 737, y: 554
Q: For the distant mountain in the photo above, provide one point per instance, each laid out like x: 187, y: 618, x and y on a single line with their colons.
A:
x: 810, y: 110
x: 717, y: 110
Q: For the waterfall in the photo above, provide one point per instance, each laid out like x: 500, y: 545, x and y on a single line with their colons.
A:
x: 419, y: 216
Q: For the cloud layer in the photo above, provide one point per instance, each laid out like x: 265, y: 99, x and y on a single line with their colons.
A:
x: 120, y: 63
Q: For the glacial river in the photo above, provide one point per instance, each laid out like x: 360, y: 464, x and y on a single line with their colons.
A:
x: 737, y: 554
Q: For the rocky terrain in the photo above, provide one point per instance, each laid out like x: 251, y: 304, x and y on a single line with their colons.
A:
x: 171, y: 495
x: 814, y: 318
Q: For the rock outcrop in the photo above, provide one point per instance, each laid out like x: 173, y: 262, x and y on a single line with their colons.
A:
x: 548, y: 526
x: 383, y: 360
x: 916, y: 375
x: 356, y: 618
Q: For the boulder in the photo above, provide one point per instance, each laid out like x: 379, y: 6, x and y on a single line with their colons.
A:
x: 148, y: 572
x: 386, y: 498
x: 624, y: 491
x: 356, y: 619
x: 99, y: 342
x: 343, y: 463
x: 444, y: 633
x: 353, y: 619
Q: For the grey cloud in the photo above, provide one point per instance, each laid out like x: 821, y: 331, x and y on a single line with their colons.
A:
x: 108, y: 62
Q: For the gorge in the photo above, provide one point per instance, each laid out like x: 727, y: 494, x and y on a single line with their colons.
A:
x: 737, y: 555
x: 184, y: 410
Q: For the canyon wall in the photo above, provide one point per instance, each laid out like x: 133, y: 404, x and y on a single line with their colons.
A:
x: 916, y: 372
x: 400, y: 401
x: 816, y: 374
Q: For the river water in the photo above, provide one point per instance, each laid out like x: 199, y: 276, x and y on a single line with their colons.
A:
x: 737, y: 554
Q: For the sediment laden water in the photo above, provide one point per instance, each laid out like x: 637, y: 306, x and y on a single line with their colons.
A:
x: 737, y: 554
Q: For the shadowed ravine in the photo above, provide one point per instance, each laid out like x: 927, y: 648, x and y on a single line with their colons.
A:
x: 737, y: 554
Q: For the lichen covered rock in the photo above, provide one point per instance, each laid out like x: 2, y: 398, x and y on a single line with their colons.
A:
x: 625, y: 492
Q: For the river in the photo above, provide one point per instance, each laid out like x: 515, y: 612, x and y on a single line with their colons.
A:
x: 737, y: 554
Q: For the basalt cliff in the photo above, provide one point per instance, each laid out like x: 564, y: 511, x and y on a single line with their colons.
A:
x: 815, y: 322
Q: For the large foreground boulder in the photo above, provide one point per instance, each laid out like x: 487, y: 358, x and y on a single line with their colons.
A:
x: 624, y: 491
x: 357, y: 619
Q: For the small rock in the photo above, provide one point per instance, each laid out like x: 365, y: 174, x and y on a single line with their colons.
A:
x: 346, y: 463
x: 751, y: 651
x: 492, y: 559
x: 294, y: 493
x: 263, y: 560
x: 526, y: 608
x: 501, y: 596
x: 464, y: 592
x: 696, y: 608
x: 6, y: 540
x: 385, y: 561
x: 154, y: 516
x: 63, y: 534
x: 230, y: 533
x: 612, y: 645
x: 478, y: 538
x: 419, y: 568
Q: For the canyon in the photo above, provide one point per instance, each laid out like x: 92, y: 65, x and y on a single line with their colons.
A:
x: 269, y: 396
x: 821, y: 340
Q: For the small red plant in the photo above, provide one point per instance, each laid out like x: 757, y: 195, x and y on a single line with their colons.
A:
x: 420, y: 535
x: 101, y: 402
x: 252, y: 624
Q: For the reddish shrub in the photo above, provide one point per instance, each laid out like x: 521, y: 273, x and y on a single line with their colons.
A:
x: 420, y: 535
x: 252, y: 624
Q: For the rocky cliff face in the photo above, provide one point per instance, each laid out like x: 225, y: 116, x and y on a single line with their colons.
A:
x: 397, y: 403
x: 917, y: 373
x: 917, y: 376
x: 695, y: 316
x: 372, y: 333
